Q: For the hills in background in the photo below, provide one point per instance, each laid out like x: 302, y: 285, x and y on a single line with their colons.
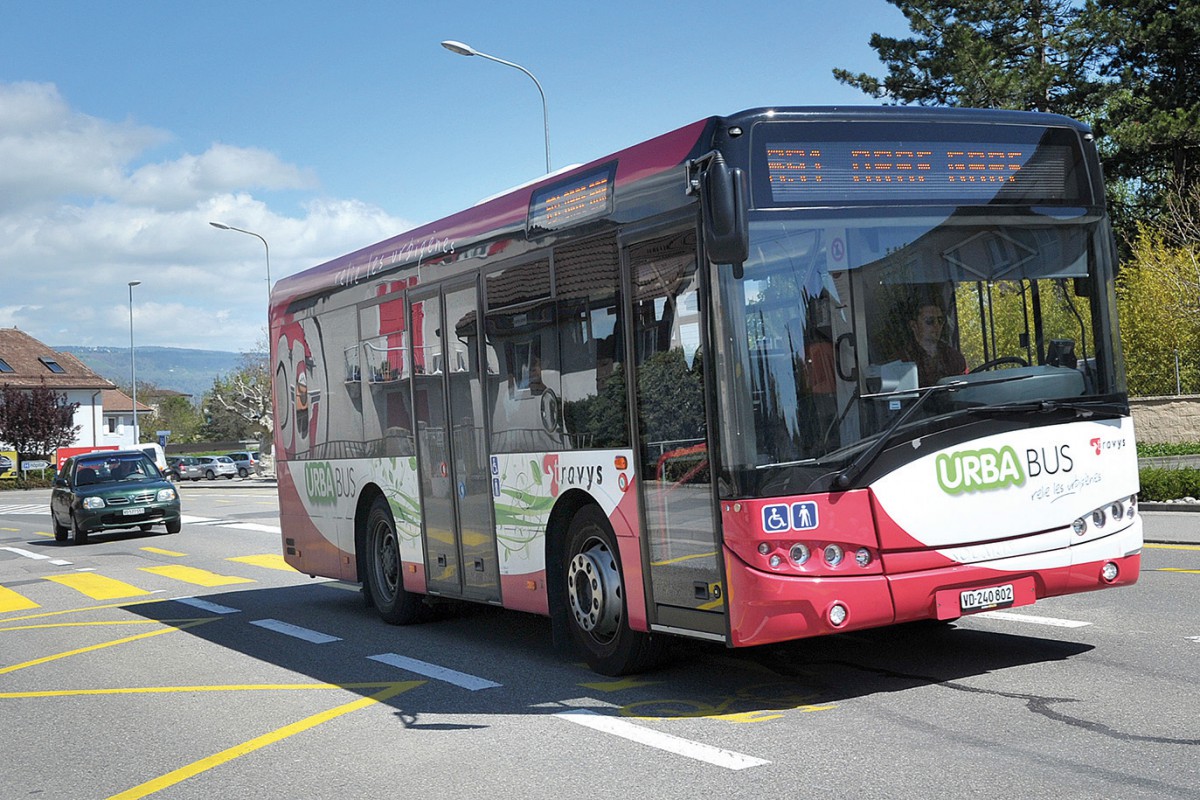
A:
x: 177, y: 368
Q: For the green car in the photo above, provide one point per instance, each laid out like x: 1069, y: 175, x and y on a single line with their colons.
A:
x: 111, y: 489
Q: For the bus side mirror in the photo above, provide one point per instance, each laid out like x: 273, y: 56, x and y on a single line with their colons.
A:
x: 726, y: 221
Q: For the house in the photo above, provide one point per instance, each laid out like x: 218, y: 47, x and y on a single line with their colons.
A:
x: 26, y: 363
x: 118, y: 417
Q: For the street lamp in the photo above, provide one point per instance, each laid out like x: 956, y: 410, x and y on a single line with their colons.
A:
x: 225, y: 227
x: 466, y: 50
x: 137, y: 439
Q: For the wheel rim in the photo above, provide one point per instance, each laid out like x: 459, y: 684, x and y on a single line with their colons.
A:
x: 594, y: 590
x: 387, y: 558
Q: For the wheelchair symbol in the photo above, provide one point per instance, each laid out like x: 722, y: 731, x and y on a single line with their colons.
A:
x: 775, y: 519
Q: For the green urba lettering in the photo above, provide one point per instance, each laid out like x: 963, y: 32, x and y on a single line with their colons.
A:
x: 979, y: 470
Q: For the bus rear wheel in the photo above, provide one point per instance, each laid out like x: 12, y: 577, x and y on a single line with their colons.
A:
x: 595, y: 599
x: 385, y: 585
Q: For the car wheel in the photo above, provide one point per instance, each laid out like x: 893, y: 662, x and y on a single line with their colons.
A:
x: 174, y: 525
x: 385, y: 584
x: 60, y: 531
x: 243, y: 473
x: 210, y: 475
x: 595, y: 600
x: 78, y: 534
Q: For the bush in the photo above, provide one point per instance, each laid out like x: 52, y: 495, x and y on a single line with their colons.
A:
x: 1150, y: 450
x: 1160, y: 485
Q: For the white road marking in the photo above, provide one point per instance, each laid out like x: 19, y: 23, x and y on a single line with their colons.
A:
x: 204, y: 605
x: 36, y: 557
x: 288, y: 629
x: 445, y: 674
x: 254, y: 526
x: 662, y: 741
x: 25, y: 508
x: 1033, y: 619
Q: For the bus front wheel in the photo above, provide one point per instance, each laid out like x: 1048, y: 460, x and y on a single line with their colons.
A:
x: 385, y: 585
x: 595, y: 598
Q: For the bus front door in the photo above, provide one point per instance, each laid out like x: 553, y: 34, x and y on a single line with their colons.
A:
x: 459, y: 537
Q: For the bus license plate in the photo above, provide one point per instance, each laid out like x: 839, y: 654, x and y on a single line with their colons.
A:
x: 991, y: 597
x: 133, y: 512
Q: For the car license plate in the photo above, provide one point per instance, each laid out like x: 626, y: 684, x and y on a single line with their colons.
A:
x: 991, y: 597
x: 133, y: 512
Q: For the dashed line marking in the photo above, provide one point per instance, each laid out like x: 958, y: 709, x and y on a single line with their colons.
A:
x: 728, y: 759
x: 471, y: 683
x: 266, y: 561
x: 288, y: 629
x: 206, y: 605
x: 11, y: 601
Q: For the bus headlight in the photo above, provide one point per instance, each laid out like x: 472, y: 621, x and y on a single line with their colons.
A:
x: 799, y: 554
x: 833, y: 555
x: 1098, y: 517
x: 1109, y: 572
x: 837, y: 615
x: 1079, y: 526
x: 862, y: 557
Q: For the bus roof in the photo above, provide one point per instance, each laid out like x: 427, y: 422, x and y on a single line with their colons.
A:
x: 506, y: 214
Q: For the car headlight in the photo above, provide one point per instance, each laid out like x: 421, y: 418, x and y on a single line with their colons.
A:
x: 93, y: 502
x: 166, y: 495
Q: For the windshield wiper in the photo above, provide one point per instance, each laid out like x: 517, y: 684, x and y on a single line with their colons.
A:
x: 868, y: 456
x: 1082, y: 409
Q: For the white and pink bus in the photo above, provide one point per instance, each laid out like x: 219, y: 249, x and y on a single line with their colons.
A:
x: 792, y: 372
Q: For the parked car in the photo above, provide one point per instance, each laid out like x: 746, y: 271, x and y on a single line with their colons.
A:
x: 184, y: 468
x: 247, y: 462
x: 213, y: 466
x: 111, y: 489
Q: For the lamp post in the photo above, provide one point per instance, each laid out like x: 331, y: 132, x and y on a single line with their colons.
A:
x: 466, y: 50
x: 137, y: 439
x: 225, y: 227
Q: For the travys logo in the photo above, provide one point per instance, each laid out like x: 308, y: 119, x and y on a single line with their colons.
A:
x: 979, y: 470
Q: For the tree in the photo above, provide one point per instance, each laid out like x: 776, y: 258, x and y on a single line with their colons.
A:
x: 37, y: 421
x: 175, y: 414
x: 240, y: 403
x: 1150, y: 126
x: 1016, y: 54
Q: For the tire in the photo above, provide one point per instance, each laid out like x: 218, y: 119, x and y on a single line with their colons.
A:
x: 145, y: 527
x: 61, y: 532
x: 595, y: 600
x: 78, y: 535
x: 243, y: 473
x: 210, y: 475
x: 383, y: 580
x: 174, y: 525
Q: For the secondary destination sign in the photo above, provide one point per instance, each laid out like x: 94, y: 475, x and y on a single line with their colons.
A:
x: 579, y: 199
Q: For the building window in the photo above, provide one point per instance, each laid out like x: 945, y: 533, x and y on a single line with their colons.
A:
x: 51, y: 364
x: 112, y: 424
x: 4, y: 367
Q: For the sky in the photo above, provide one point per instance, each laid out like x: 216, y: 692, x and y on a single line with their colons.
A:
x: 127, y: 126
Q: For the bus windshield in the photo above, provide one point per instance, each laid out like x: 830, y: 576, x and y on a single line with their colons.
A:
x: 840, y: 324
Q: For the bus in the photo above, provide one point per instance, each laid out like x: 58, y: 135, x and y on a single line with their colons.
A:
x: 786, y: 373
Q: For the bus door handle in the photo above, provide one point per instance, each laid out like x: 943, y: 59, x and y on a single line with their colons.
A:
x: 852, y: 375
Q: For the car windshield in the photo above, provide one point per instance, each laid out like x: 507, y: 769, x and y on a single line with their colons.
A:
x: 130, y: 468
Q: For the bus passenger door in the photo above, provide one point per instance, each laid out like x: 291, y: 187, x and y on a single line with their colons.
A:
x: 460, y: 539
x: 674, y: 474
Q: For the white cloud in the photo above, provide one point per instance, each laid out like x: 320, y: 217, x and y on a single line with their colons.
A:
x: 83, y: 211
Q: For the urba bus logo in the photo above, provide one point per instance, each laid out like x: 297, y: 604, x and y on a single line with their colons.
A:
x: 326, y: 483
x: 978, y: 470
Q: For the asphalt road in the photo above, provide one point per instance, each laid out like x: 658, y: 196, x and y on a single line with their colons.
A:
x: 197, y: 665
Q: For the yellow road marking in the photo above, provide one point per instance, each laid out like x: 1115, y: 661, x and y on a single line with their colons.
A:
x: 616, y: 686
x: 1172, y: 546
x: 55, y: 657
x: 99, y: 624
x: 46, y: 534
x: 248, y: 687
x: 162, y: 552
x: 681, y: 559
x: 268, y: 560
x: 200, y: 577
x: 257, y: 743
x: 12, y: 530
x: 12, y: 601
x: 1172, y: 569
x: 96, y: 586
x: 130, y: 604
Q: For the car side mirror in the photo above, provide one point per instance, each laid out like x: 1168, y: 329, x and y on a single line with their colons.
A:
x: 60, y: 481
